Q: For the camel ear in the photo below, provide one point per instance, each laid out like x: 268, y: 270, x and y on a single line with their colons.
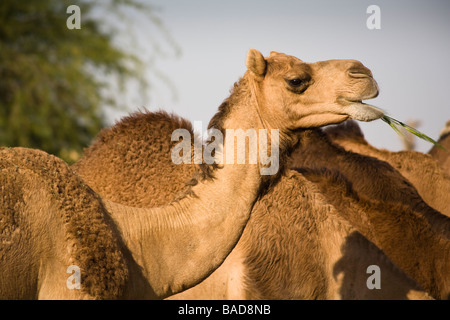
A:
x: 273, y: 53
x: 256, y: 62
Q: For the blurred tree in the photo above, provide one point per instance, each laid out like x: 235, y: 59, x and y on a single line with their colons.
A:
x: 53, y: 79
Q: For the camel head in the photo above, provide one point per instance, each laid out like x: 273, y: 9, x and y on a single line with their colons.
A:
x: 295, y: 94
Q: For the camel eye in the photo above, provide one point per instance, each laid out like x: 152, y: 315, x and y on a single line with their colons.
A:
x: 295, y: 82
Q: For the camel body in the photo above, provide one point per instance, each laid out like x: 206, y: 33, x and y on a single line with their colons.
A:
x: 417, y: 248
x: 68, y: 227
x: 295, y: 245
x: 167, y: 249
x: 421, y: 170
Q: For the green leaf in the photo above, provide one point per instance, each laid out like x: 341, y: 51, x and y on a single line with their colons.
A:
x: 394, y: 123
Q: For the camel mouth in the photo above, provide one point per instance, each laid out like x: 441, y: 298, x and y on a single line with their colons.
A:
x: 354, y: 101
x: 361, y: 111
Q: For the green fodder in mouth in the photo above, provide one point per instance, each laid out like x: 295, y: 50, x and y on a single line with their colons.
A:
x: 394, y: 123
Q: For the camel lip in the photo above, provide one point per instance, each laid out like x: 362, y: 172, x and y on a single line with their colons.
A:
x: 351, y: 101
x: 361, y: 111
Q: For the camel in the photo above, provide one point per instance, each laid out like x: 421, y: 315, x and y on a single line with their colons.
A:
x: 173, y: 247
x: 284, y: 216
x: 371, y: 177
x: 220, y: 284
x: 402, y: 233
x: 440, y: 155
x: 420, y: 169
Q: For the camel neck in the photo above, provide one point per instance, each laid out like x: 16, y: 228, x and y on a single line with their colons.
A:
x: 178, y: 245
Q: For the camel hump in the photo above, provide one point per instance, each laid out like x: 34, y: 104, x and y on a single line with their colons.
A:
x: 145, y: 122
x: 141, y: 127
x: 346, y: 130
x: 137, y: 149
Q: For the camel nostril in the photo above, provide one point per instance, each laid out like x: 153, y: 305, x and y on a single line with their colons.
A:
x: 358, y: 75
x: 360, y: 72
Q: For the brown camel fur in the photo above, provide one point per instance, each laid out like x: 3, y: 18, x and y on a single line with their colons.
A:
x: 285, y: 251
x: 70, y: 222
x: 402, y: 233
x: 440, y: 155
x: 420, y: 169
x: 176, y: 246
x: 369, y: 176
x: 142, y: 143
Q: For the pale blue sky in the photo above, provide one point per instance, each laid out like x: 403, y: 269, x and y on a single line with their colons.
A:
x: 409, y: 55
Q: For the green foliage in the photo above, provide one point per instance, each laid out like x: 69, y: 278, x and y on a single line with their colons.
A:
x: 51, y: 77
